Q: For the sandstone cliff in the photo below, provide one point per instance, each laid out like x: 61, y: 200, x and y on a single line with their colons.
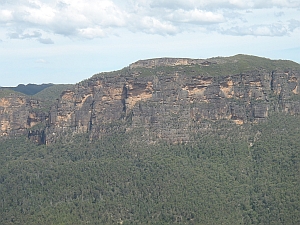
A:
x: 165, y: 98
x: 18, y: 114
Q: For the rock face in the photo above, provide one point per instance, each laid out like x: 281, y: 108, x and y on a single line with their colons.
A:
x: 18, y: 114
x: 169, y: 99
x: 150, y: 63
x: 170, y: 105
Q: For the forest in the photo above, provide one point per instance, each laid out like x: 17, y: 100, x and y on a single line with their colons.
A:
x: 228, y: 174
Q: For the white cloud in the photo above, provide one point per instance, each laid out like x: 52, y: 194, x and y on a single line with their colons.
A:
x: 21, y: 35
x: 154, y: 26
x: 37, y: 35
x: 92, y: 32
x: 5, y: 15
x: 101, y: 18
x: 217, y: 4
x: 294, y: 24
x: 195, y: 16
x: 46, y: 41
x: 69, y: 18
x: 40, y: 14
x: 259, y: 30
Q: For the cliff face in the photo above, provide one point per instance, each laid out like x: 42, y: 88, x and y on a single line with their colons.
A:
x: 165, y: 98
x: 18, y: 114
x: 172, y: 105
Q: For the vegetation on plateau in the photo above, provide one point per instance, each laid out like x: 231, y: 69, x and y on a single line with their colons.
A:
x: 53, y: 92
x: 220, y: 66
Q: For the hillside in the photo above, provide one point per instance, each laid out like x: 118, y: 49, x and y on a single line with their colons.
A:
x: 229, y: 175
x: 4, y: 92
x: 53, y: 92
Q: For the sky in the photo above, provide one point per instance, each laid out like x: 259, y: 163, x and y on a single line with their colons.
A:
x: 66, y: 41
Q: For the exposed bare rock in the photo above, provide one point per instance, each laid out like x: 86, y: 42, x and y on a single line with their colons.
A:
x: 151, y: 63
x: 18, y: 113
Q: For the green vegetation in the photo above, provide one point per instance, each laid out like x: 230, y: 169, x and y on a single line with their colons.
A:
x: 247, y: 63
x: 49, y: 95
x: 30, y: 89
x: 4, y: 92
x: 122, y: 72
x: 49, y: 92
x: 228, y: 175
x: 53, y: 92
x: 221, y: 66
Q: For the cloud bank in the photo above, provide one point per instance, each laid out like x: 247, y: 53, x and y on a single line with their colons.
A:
x: 89, y: 19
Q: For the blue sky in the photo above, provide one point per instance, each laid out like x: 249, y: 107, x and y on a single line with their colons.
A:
x: 66, y: 41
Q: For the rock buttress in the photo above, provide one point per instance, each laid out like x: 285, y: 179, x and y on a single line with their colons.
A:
x: 18, y: 114
x: 170, y: 106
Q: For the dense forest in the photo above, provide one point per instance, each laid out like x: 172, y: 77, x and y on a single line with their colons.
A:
x: 228, y: 174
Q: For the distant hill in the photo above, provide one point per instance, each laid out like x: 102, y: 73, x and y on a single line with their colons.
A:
x: 52, y: 92
x: 30, y: 89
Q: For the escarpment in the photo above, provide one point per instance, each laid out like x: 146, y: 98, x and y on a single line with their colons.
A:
x: 18, y: 114
x: 165, y: 99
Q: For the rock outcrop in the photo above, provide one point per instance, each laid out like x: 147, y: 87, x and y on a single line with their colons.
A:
x: 152, y: 63
x: 169, y: 99
x: 19, y: 113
